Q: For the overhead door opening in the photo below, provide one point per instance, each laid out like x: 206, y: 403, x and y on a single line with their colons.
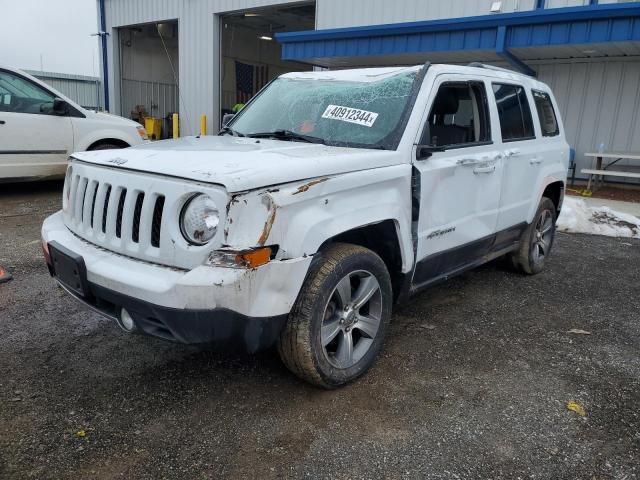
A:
x: 251, y: 57
x: 149, y: 75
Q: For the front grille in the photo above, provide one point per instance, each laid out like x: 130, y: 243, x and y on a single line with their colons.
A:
x: 136, y: 214
x: 103, y: 211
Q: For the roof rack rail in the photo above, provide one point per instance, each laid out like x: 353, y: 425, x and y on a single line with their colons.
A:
x: 497, y: 69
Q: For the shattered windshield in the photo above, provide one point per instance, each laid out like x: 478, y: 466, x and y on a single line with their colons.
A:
x: 363, y: 114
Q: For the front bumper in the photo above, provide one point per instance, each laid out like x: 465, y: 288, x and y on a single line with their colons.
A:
x: 204, y: 305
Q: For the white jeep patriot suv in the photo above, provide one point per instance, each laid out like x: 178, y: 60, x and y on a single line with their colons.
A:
x: 329, y: 197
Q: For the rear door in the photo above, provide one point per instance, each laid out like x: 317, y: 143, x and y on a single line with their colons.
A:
x: 459, y: 185
x: 34, y: 142
x: 522, y: 156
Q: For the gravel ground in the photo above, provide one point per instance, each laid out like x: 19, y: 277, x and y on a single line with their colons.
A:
x: 473, y: 382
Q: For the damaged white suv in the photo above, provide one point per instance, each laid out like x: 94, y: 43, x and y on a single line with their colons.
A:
x: 329, y: 197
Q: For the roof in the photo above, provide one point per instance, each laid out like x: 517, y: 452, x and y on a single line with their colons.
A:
x: 542, y: 33
x: 375, y: 74
x: 352, y: 75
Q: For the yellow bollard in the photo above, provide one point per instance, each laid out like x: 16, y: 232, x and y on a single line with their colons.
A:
x: 203, y: 124
x: 176, y: 126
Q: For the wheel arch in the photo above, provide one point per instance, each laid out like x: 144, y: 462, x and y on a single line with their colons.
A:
x: 555, y: 192
x: 383, y: 238
x: 108, y: 141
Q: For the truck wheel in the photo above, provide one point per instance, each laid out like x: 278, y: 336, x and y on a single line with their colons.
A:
x: 337, y: 326
x: 537, y: 240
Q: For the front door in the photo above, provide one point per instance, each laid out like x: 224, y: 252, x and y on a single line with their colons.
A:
x: 34, y: 142
x: 459, y: 177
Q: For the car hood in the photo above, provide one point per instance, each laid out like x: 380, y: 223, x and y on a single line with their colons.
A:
x: 240, y: 164
x: 110, y: 118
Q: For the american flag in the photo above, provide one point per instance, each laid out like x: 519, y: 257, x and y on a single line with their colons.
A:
x: 249, y: 79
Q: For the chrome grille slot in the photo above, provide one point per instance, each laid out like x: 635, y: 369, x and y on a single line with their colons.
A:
x: 137, y: 211
x: 104, y: 209
x: 123, y: 196
x: 87, y: 203
x: 135, y: 214
x: 156, y: 223
x: 93, y: 203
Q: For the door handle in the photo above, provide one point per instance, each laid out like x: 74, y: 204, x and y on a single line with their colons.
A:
x: 466, y: 162
x: 535, y: 161
x: 514, y: 152
x: 485, y: 168
x: 2, y: 122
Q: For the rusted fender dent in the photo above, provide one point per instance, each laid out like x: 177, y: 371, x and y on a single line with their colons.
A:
x: 303, y: 188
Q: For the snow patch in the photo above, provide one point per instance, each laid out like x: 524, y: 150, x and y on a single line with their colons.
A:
x: 578, y: 217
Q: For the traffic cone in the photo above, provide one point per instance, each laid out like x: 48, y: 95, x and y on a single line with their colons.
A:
x: 5, y: 276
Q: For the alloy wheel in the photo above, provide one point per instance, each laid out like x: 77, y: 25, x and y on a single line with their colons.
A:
x: 543, y: 235
x: 351, y: 319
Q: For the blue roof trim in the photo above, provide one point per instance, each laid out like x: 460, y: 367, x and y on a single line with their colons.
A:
x: 503, y: 51
x: 541, y: 16
x: 571, y: 25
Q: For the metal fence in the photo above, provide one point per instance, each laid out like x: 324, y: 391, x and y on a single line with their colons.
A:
x: 159, y: 99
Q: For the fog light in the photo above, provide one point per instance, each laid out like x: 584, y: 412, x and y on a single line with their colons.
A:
x: 126, y: 321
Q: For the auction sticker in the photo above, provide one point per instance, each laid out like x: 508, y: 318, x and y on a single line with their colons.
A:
x: 351, y: 115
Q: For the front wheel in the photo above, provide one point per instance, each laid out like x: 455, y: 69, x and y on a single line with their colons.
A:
x: 537, y: 240
x: 337, y: 326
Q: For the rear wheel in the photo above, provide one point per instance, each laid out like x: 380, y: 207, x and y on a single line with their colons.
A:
x: 337, y: 326
x: 537, y: 240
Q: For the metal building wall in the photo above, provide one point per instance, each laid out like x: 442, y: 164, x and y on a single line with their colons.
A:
x: 199, y: 49
x: 84, y: 90
x: 349, y: 13
x: 341, y: 13
x: 599, y: 102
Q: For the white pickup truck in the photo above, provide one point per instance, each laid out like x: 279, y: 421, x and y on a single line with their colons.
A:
x: 329, y: 197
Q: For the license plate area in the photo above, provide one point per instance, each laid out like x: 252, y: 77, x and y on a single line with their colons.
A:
x: 69, y: 269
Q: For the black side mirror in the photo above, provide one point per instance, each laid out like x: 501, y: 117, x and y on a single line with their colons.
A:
x: 60, y: 107
x: 425, y: 151
x: 227, y: 118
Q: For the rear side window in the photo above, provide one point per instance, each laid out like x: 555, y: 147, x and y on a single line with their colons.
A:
x: 546, y: 114
x: 515, y: 115
x: 459, y: 116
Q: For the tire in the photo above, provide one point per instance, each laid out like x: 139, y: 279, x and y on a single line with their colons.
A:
x: 324, y: 313
x: 106, y: 146
x: 536, y: 241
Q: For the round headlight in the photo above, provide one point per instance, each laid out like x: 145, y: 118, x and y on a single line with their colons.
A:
x: 199, y: 219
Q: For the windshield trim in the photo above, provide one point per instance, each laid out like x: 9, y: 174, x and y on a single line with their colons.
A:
x: 390, y: 142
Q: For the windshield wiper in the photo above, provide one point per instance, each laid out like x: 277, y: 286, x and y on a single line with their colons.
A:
x: 286, y: 135
x: 230, y: 130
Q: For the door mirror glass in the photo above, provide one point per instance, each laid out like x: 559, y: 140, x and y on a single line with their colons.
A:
x: 60, y: 107
x: 425, y: 151
x: 227, y: 118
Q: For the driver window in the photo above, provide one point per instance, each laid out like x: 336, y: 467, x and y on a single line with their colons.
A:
x: 459, y: 116
x: 18, y: 95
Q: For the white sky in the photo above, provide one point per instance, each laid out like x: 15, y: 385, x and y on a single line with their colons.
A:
x: 59, y: 30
